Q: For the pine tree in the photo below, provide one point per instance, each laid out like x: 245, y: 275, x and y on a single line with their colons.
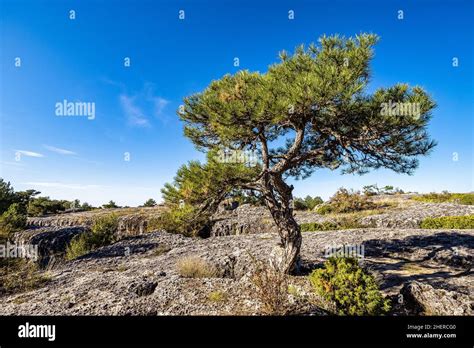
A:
x: 314, y: 102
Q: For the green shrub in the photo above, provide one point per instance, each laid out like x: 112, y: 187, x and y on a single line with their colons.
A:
x: 12, y: 220
x: 346, y: 201
x: 318, y: 226
x: 103, y: 232
x: 299, y: 204
x: 79, y: 245
x: 308, y: 203
x: 458, y: 222
x: 446, y: 197
x: 44, y: 205
x: 353, y: 291
x: 183, y: 220
x: 104, y: 229
x: 324, y: 209
x: 463, y: 198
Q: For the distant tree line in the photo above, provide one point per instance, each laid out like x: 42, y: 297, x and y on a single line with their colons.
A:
x: 373, y: 190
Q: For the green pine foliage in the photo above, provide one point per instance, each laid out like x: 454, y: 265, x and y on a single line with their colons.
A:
x: 110, y: 205
x: 185, y: 220
x: 320, y: 91
x: 150, y: 203
x: 196, y: 192
x: 354, y: 292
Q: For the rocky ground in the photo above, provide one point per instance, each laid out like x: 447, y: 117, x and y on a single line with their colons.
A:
x: 404, y: 214
x: 422, y: 271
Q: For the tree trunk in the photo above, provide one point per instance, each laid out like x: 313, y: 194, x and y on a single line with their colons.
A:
x: 290, y: 235
x: 278, y: 197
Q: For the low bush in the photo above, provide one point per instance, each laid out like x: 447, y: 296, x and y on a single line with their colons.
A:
x: 346, y: 201
x: 195, y: 267
x: 103, y: 232
x: 457, y: 222
x: 183, y: 220
x: 79, y: 245
x: 354, y: 292
x: 319, y: 226
x: 446, y: 197
x: 324, y: 209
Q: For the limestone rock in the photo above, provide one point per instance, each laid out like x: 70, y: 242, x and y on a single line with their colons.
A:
x: 424, y: 299
x: 50, y: 241
x: 138, y: 275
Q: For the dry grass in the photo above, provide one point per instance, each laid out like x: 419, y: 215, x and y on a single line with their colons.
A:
x: 20, y: 275
x: 195, y: 267
x: 271, y: 288
x: 217, y: 296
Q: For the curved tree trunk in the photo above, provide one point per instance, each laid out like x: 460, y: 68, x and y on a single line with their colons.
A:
x: 290, y: 235
x: 278, y: 197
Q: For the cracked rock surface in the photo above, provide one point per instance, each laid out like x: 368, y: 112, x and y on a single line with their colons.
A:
x: 139, y: 275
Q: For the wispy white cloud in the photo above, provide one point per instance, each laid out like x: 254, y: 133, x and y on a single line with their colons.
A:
x: 134, y: 114
x: 141, y: 107
x: 113, y: 83
x: 159, y: 105
x: 59, y: 150
x: 29, y: 153
x: 158, y: 102
x: 14, y: 163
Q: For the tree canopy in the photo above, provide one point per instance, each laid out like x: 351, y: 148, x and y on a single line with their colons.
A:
x: 316, y: 100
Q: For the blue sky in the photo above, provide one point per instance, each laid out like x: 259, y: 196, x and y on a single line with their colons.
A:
x: 83, y: 60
